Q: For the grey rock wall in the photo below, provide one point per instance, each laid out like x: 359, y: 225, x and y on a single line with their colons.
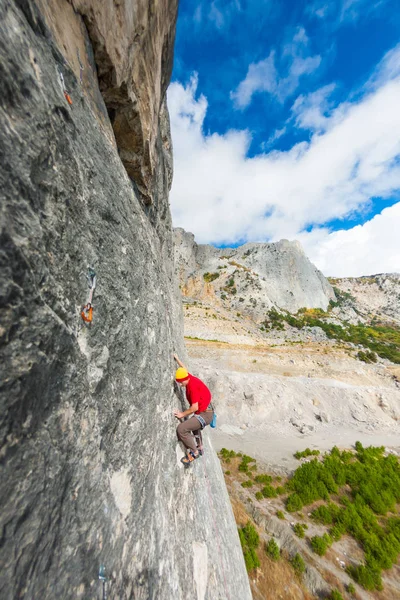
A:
x: 90, y: 471
x: 264, y: 275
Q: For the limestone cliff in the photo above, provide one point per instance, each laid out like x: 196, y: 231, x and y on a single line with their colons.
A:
x: 251, y: 278
x: 90, y: 464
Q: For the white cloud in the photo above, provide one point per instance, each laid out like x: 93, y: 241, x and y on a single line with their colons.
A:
x: 261, y: 77
x: 278, y: 133
x: 364, y: 250
x: 340, y: 12
x: 311, y: 110
x: 223, y: 196
x: 264, y: 76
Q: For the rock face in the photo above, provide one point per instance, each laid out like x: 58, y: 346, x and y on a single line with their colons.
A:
x: 376, y: 296
x: 251, y: 278
x: 90, y: 464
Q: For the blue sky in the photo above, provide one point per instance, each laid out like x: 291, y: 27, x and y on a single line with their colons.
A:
x: 284, y: 123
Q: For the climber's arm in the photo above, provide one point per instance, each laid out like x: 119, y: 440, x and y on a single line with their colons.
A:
x: 180, y: 363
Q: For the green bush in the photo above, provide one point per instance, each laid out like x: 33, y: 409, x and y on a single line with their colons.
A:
x: 367, y: 357
x: 263, y: 478
x: 224, y: 453
x: 280, y: 514
x: 272, y: 549
x: 368, y: 577
x: 280, y: 490
x: 227, y: 472
x: 321, y: 544
x: 335, y: 595
x: 298, y: 564
x: 259, y: 495
x: 326, y: 514
x: 249, y: 540
x: 351, y: 589
x: 210, y: 276
x: 269, y: 492
x: 247, y: 484
x: 244, y: 465
x: 294, y: 503
x: 305, y: 453
x: 299, y: 529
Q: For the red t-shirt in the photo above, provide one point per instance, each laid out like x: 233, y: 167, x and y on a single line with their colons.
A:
x: 197, y: 391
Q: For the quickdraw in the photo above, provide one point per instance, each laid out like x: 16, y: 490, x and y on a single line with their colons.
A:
x: 103, y: 579
x: 87, y: 310
x: 66, y: 95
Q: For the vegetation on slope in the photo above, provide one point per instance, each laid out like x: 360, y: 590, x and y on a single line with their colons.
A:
x: 381, y: 340
x: 361, y: 492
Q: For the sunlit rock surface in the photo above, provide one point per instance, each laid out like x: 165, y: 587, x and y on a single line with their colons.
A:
x: 91, y: 475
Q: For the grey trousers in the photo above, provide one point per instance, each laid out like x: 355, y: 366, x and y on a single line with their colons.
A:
x: 184, y: 431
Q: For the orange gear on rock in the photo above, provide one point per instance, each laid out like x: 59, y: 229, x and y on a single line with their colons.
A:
x: 87, y: 313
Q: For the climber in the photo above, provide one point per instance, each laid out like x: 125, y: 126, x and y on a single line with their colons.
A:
x: 199, y: 397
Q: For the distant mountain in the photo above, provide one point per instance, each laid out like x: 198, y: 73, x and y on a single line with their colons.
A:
x: 251, y: 278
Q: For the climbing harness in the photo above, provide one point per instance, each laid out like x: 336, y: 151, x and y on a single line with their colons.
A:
x: 81, y: 68
x: 66, y: 95
x: 103, y: 578
x: 201, y: 421
x: 87, y: 310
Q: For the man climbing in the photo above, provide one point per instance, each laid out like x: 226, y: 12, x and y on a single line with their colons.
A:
x: 199, y: 397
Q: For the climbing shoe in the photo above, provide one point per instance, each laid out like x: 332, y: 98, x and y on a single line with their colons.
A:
x: 189, y: 458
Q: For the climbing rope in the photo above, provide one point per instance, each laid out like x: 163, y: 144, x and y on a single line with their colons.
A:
x: 81, y: 68
x: 216, y: 532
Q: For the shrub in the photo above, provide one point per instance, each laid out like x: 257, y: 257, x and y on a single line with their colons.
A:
x: 305, y: 453
x: 269, y: 492
x: 351, y: 589
x: 335, y: 595
x: 294, y: 503
x: 321, y: 544
x: 224, y: 453
x: 280, y: 514
x: 325, y: 513
x: 247, y: 484
x: 227, y: 472
x: 249, y: 540
x: 259, y: 496
x: 280, y: 490
x: 272, y: 549
x: 368, y: 577
x: 298, y: 564
x: 299, y: 529
x: 210, y: 276
x: 367, y: 357
x: 263, y: 478
x: 244, y: 465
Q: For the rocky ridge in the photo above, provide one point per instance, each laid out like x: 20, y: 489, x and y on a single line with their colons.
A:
x: 374, y: 298
x: 251, y: 278
x: 91, y: 473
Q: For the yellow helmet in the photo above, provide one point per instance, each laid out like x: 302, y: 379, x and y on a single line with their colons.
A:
x: 181, y: 374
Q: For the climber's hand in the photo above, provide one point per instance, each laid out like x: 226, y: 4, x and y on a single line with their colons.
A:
x: 178, y: 414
